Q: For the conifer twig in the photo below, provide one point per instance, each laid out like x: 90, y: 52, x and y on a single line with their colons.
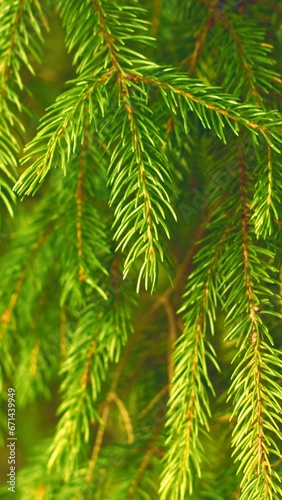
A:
x: 125, y: 416
x: 172, y: 336
x: 199, y: 43
x: 153, y: 402
x: 102, y: 427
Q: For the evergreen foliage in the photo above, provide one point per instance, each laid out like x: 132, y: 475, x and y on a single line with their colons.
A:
x: 142, y: 286
x: 19, y: 46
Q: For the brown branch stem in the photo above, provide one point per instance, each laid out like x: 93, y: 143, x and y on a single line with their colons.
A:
x: 102, y: 427
x: 125, y: 417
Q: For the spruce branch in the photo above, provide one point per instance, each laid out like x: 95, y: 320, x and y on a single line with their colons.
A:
x: 137, y: 172
x: 141, y: 186
x: 81, y: 225
x: 62, y: 131
x: 250, y: 58
x: 254, y: 389
x: 130, y: 146
x: 206, y: 105
x: 266, y: 201
x: 132, y: 171
x: 21, y: 39
x: 26, y: 264
x: 98, y: 340
x: 188, y: 403
x: 37, y: 363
